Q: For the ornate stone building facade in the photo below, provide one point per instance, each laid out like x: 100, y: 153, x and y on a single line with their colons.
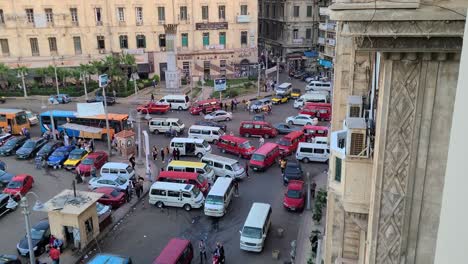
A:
x: 396, y: 72
x: 212, y: 37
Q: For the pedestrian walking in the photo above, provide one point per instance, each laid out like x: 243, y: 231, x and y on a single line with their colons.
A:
x: 166, y: 150
x: 202, y: 248
x: 220, y: 252
x: 152, y: 97
x: 236, y: 187
x: 174, y: 153
x: 220, y: 105
x: 78, y: 177
x: 155, y: 153
x: 225, y: 107
x: 91, y: 144
x: 162, y: 154
x: 246, y: 168
x: 154, y: 83
x: 178, y: 154
x: 283, y: 164
x: 262, y: 141
x: 247, y: 106
x: 232, y: 105
x: 314, y: 185
x: 138, y: 189
x: 114, y: 93
x: 54, y: 255
x: 132, y: 160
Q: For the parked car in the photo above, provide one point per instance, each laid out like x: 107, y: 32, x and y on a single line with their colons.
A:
x: 60, y: 98
x: 30, y: 148
x: 260, y: 105
x: 4, y: 138
x: 108, y: 181
x: 102, y: 210
x: 102, y: 258
x: 284, y: 128
x: 205, y: 106
x: 298, y: 74
x: 258, y: 117
x: 59, y: 156
x: 5, y: 208
x: 294, y: 197
x: 20, y: 184
x: 111, y: 196
x: 153, y: 108
x: 257, y: 128
x: 9, y: 259
x: 48, y: 148
x: 280, y: 99
x: 211, y: 124
x: 40, y: 235
x: 75, y: 157
x: 295, y: 93
x: 32, y: 118
x: 5, y: 178
x: 219, y: 115
x: 293, y: 171
x: 99, y: 98
x: 12, y: 145
x: 236, y: 145
x: 96, y: 159
x: 301, y: 120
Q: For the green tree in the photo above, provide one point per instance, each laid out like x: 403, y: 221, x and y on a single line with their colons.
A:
x: 4, y: 72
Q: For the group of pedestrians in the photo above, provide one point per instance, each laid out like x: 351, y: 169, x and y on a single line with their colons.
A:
x: 219, y: 256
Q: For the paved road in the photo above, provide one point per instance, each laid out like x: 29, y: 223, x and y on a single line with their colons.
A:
x: 145, y: 233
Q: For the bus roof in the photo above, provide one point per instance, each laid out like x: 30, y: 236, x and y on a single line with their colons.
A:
x: 63, y: 113
x: 10, y: 110
x: 220, y: 186
x: 257, y: 215
x: 172, y: 251
x: 195, y: 164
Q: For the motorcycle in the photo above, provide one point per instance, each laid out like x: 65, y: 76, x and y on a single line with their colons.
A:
x: 2, y: 99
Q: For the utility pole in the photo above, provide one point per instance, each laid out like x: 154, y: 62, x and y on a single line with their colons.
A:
x: 56, y: 78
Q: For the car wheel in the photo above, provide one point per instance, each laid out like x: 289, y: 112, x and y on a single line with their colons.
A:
x: 247, y: 135
x: 308, y: 123
x: 305, y: 160
x: 266, y: 136
x: 155, y: 131
x: 199, y: 155
x: 180, y: 108
x: 187, y: 207
x: 290, y: 122
x: 228, y: 119
x: 214, y: 141
x: 159, y: 204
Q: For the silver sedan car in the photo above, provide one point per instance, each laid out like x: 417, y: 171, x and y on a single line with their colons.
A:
x: 219, y: 115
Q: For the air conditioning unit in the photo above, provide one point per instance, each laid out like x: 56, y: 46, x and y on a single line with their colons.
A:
x: 356, y: 139
x: 354, y: 106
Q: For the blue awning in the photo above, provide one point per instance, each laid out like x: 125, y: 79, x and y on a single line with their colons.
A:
x: 326, y: 63
x: 310, y: 54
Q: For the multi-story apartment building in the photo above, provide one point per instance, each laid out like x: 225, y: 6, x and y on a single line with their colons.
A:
x: 212, y: 38
x: 288, y: 28
x: 395, y: 85
x: 326, y: 41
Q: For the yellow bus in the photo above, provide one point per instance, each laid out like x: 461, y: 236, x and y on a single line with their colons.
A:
x: 15, y: 118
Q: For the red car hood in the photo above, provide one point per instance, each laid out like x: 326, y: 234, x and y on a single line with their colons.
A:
x: 292, y: 202
x: 11, y: 191
x: 84, y: 168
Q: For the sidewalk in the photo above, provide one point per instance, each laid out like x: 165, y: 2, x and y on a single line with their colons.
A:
x: 68, y: 256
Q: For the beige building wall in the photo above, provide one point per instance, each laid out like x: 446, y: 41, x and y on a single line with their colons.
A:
x: 17, y: 31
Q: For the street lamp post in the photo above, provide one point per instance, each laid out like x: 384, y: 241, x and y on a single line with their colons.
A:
x: 56, y: 79
x: 83, y: 76
x: 109, y: 149
x: 51, y: 115
x: 277, y: 70
x: 21, y: 75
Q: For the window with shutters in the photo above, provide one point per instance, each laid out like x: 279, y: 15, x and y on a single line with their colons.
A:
x: 101, y: 42
x: 244, y: 39
x: 49, y: 16
x: 53, y: 45
x: 77, y: 45
x: 205, y: 12
x: 139, y: 15
x: 30, y: 15
x: 141, y: 41
x: 267, y: 11
x: 184, y: 39
x: 296, y: 11
x: 222, y: 38
x: 183, y: 13
x: 121, y: 14
x: 206, y: 39
x: 308, y: 33
x: 162, y: 40
x: 161, y: 14
x: 357, y: 144
x: 244, y: 9
x: 2, y: 17
x: 338, y: 169
x: 222, y: 12
x: 34, y: 46
x: 98, y: 16
x: 5, y: 47
x: 74, y: 15
x: 123, y: 40
x: 309, y: 11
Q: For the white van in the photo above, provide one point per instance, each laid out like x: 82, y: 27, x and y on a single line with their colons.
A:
x: 192, y: 166
x: 183, y: 195
x: 161, y: 125
x: 218, y: 199
x: 190, y: 146
x: 176, y: 101
x: 319, y: 86
x: 256, y: 226
x: 320, y: 140
x: 312, y: 152
x: 224, y: 167
x: 210, y: 134
x: 118, y: 169
x: 311, y: 97
x: 283, y: 89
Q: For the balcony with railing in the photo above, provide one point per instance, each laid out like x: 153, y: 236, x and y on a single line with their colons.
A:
x: 331, y: 42
x: 327, y: 26
x: 321, y: 40
x: 243, y: 19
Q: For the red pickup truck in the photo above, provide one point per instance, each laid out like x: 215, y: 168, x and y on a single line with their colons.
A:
x: 153, y: 108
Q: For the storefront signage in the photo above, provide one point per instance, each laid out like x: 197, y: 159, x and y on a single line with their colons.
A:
x: 325, y: 63
x: 211, y: 26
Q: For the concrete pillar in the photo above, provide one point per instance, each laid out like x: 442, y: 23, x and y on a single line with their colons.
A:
x: 172, y: 73
x: 453, y: 231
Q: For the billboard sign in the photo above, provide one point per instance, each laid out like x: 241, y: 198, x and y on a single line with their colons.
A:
x: 103, y: 80
x: 219, y: 85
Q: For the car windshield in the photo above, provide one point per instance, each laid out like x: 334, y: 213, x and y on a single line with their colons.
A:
x: 36, y: 234
x: 120, y: 181
x: 195, y: 191
x: 75, y: 156
x: 205, y: 144
x: 179, y: 122
x: 29, y: 144
x: 295, y: 194
x: 88, y: 162
x: 200, y: 178
x: 115, y: 193
x: 258, y: 157
x: 252, y: 232
x: 46, y: 148
x: 99, y: 207
x: 58, y: 154
x: 236, y: 166
x: 284, y: 142
x: 11, y: 143
x: 2, y: 173
x: 245, y: 145
x: 29, y: 115
x: 214, y: 199
x: 14, y: 184
x: 293, y: 169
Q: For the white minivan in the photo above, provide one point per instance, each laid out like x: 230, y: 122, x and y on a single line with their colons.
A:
x: 311, y: 97
x: 190, y: 146
x: 118, y: 169
x: 210, y: 134
x: 319, y: 86
x: 256, y: 226
x: 223, y: 166
x: 284, y: 89
x: 218, y: 199
x: 176, y: 101
x: 161, y: 125
x: 183, y: 195
x: 312, y: 152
